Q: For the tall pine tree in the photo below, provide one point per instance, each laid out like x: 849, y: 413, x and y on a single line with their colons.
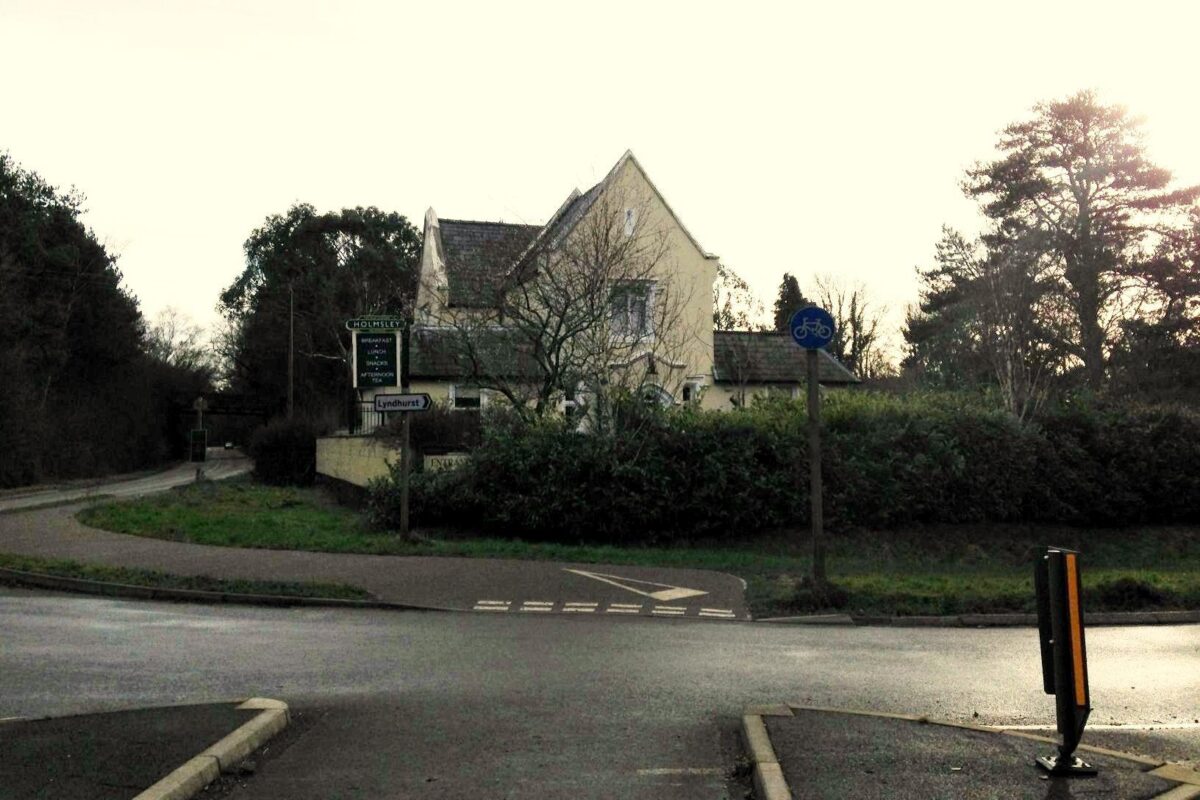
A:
x: 789, y: 300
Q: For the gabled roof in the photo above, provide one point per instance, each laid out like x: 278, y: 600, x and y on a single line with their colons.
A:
x: 570, y: 212
x: 751, y: 357
x: 477, y: 256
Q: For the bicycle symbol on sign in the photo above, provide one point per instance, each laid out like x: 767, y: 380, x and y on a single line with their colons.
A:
x: 812, y: 326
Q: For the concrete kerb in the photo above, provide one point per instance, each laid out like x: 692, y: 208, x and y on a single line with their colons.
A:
x: 190, y: 778
x: 1096, y: 619
x: 769, y: 783
x: 40, y: 580
x: 758, y: 745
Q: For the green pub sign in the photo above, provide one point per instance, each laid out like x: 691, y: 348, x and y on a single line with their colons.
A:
x: 375, y: 360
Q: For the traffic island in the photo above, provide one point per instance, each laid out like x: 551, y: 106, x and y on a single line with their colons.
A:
x: 168, y: 753
x: 811, y: 753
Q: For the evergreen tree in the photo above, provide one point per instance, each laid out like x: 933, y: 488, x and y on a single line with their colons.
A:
x: 790, y: 300
x: 1076, y: 177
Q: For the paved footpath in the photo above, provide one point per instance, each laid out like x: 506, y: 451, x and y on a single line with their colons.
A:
x: 495, y: 586
x: 221, y: 464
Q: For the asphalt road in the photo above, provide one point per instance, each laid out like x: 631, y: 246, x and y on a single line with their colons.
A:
x: 494, y: 586
x: 221, y: 464
x: 509, y: 705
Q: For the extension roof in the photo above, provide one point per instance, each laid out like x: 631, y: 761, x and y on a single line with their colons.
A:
x: 439, y: 353
x: 751, y: 357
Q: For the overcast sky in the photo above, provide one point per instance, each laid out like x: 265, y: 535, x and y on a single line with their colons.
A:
x: 795, y: 137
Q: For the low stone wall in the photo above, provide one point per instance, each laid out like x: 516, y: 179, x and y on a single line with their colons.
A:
x: 354, y: 459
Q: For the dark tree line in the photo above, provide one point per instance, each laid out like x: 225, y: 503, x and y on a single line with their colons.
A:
x: 328, y: 268
x: 79, y: 395
x: 1085, y: 276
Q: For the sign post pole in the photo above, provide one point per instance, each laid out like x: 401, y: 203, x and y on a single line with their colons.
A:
x: 198, y: 441
x: 812, y: 329
x: 405, y: 450
x: 815, y: 493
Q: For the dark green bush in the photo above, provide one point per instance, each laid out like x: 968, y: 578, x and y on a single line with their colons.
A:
x: 888, y: 461
x: 285, y: 452
x: 1130, y: 594
x: 440, y: 429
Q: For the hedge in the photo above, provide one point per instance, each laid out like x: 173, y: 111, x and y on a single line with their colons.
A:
x: 888, y: 461
x: 285, y: 452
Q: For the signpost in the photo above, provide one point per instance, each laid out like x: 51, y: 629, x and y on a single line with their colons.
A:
x: 198, y: 448
x: 1064, y: 658
x: 812, y: 329
x: 376, y: 366
x: 198, y: 440
x: 402, y: 402
x: 374, y: 360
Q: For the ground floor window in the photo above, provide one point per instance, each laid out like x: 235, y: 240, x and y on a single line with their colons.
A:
x: 465, y: 398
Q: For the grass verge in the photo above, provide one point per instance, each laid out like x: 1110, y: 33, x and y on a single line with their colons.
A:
x: 939, y: 570
x: 62, y: 568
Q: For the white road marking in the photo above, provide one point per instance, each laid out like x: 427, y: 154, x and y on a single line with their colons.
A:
x: 704, y: 612
x: 667, y: 611
x: 624, y: 610
x: 492, y: 602
x: 624, y: 605
x: 1148, y: 726
x: 682, y: 771
x: 719, y: 610
x: 664, y: 595
x: 580, y: 608
x: 537, y: 605
x: 491, y: 608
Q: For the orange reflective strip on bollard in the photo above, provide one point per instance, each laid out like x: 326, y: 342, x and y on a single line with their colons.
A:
x: 1076, y: 630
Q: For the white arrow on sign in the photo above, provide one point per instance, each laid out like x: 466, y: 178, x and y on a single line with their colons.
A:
x: 667, y: 593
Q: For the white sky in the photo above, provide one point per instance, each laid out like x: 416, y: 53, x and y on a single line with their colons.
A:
x: 793, y: 137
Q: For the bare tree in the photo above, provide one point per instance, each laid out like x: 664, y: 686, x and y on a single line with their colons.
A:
x: 857, y: 339
x: 174, y: 338
x: 1018, y: 316
x: 585, y: 313
x: 735, y: 306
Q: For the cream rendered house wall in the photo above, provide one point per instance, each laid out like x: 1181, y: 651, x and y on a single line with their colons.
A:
x: 687, y: 271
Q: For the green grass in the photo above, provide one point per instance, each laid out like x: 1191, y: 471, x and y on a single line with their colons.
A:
x: 936, y: 570
x: 160, y: 580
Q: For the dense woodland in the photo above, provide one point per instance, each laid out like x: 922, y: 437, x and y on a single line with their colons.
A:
x: 81, y: 392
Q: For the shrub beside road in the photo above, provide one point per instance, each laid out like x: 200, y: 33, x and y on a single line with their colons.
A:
x: 942, y: 569
x: 686, y: 475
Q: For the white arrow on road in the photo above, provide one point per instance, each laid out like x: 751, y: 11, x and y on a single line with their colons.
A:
x: 667, y: 593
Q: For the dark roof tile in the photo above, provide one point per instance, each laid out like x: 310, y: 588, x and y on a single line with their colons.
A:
x: 750, y: 357
x: 478, y: 255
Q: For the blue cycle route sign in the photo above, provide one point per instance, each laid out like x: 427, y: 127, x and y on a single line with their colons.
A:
x: 812, y: 327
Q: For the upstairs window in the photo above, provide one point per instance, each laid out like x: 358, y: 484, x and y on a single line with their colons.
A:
x: 631, y: 306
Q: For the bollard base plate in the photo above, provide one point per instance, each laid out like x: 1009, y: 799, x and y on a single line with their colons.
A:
x: 1075, y: 767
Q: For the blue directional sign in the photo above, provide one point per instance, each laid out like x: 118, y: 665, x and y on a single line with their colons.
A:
x: 811, y: 327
